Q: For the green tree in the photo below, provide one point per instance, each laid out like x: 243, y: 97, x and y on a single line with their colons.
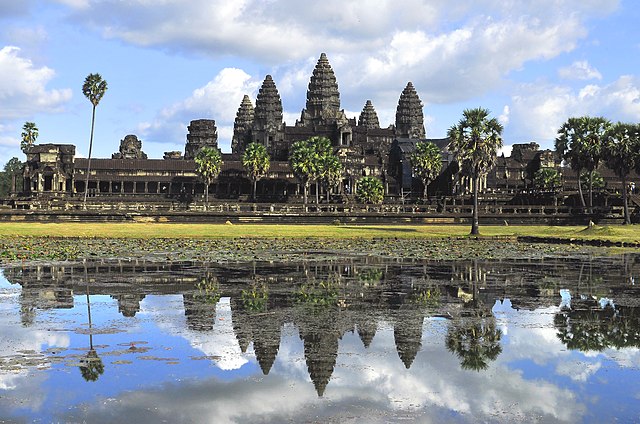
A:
x: 94, y: 88
x: 29, y: 136
x: 474, y: 142
x: 369, y: 190
x: 208, y: 165
x: 547, y: 179
x: 12, y: 167
x: 426, y: 161
x: 622, y: 144
x: 580, y: 142
x: 331, y: 172
x: 256, y: 162
x: 306, y: 158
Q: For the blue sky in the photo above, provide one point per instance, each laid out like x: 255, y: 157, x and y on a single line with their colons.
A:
x: 533, y: 64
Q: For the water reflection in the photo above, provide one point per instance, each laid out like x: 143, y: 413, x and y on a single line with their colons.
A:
x: 430, y: 315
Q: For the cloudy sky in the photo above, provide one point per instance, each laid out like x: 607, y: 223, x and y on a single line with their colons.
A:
x: 533, y: 64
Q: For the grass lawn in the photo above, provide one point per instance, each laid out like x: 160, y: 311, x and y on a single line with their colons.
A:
x: 168, y: 230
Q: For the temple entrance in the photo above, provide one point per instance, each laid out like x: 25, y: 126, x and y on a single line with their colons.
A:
x: 48, y: 183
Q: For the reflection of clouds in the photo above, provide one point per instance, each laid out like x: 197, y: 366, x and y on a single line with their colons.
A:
x: 436, y: 379
x: 578, y: 371
x: 20, y: 383
x: 372, y: 384
x: 220, y: 342
x: 628, y: 357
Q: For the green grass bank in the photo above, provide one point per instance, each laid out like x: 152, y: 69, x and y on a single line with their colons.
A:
x: 624, y: 234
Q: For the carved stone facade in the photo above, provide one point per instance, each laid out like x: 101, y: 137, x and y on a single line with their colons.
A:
x: 202, y: 132
x: 130, y: 148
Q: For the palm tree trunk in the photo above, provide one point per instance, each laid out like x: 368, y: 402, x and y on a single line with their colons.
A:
x: 317, y: 193
x: 474, y: 220
x: 584, y: 205
x: 305, y: 186
x: 86, y: 183
x: 426, y: 192
x: 590, y: 191
x: 255, y: 185
x: 206, y: 194
x: 625, y: 201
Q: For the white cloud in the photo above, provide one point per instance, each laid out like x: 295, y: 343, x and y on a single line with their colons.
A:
x: 449, y: 52
x: 580, y: 70
x: 23, y: 90
x: 539, y: 109
x: 219, y: 99
x: 504, y: 117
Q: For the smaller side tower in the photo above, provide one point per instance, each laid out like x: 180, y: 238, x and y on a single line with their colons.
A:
x: 202, y: 132
x: 242, y: 126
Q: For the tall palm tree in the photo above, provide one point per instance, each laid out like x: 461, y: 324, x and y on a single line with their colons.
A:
x: 306, y: 158
x: 622, y: 143
x: 474, y: 142
x: 93, y: 89
x: 426, y: 162
x: 256, y: 162
x: 208, y: 166
x: 331, y: 172
x: 580, y: 141
x: 29, y: 136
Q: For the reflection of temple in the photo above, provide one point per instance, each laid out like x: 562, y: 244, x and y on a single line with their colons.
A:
x: 363, y: 292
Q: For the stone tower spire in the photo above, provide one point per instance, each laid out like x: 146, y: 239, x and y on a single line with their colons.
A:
x: 323, y: 98
x: 267, y: 123
x: 369, y: 117
x: 242, y: 126
x: 268, y: 112
x: 409, y: 115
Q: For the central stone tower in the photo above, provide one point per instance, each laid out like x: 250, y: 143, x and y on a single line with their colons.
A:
x: 409, y: 115
x: 323, y: 98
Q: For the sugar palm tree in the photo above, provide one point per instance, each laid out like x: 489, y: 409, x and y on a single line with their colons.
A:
x: 29, y: 136
x: 256, y: 162
x: 331, y: 172
x: 622, y: 143
x: 208, y: 165
x: 426, y: 162
x: 93, y: 89
x: 313, y: 160
x: 580, y: 141
x: 474, y: 142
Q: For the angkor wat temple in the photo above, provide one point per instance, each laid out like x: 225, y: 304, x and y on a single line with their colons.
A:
x: 363, y: 146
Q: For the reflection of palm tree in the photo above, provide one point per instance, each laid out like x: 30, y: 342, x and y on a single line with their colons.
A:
x: 475, y: 340
x: 592, y: 328
x: 91, y: 366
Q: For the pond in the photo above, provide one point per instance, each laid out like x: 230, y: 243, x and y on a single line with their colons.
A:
x: 340, y: 340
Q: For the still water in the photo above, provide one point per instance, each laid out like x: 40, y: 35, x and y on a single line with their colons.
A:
x: 344, y: 340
